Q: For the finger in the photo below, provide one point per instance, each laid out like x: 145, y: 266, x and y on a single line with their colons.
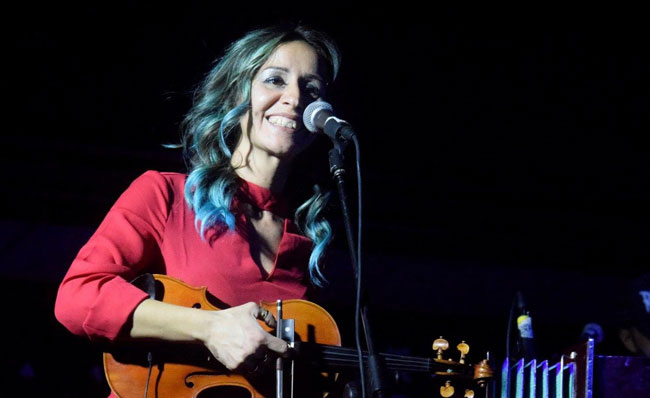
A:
x: 266, y: 316
x: 276, y: 345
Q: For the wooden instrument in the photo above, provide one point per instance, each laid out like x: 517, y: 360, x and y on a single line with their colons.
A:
x: 189, y: 370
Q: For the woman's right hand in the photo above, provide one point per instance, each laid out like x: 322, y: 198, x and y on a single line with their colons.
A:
x: 236, y: 339
x: 234, y: 336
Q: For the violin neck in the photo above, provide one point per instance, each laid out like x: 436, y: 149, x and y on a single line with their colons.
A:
x: 336, y: 357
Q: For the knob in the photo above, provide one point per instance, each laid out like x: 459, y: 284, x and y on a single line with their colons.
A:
x: 440, y: 345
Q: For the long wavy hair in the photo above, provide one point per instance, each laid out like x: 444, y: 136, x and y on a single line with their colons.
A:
x: 211, y: 129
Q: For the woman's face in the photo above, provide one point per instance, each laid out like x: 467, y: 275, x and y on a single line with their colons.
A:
x: 288, y: 81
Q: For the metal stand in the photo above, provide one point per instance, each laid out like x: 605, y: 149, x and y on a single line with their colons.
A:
x: 374, y: 369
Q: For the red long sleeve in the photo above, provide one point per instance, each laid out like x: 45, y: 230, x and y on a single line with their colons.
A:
x: 95, y: 299
x: 152, y: 229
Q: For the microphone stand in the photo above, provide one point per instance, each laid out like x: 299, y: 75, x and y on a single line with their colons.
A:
x: 375, y: 369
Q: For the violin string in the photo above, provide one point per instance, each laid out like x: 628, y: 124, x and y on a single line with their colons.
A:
x: 341, y: 356
x: 330, y: 348
x: 347, y: 352
x: 388, y: 360
x: 344, y: 357
x: 404, y: 360
x: 335, y: 358
x: 400, y: 362
x: 352, y: 361
x: 392, y: 366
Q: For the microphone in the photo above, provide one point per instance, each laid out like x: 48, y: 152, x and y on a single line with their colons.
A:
x: 525, y: 327
x: 592, y: 331
x: 319, y: 116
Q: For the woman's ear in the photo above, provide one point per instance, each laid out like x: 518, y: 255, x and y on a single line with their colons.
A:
x: 626, y: 337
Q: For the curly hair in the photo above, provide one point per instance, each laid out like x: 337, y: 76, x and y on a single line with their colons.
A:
x: 211, y: 130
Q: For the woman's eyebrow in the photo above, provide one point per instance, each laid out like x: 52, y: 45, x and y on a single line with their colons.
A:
x: 309, y: 76
x: 276, y: 68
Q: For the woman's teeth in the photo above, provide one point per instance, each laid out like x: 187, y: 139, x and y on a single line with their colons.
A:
x: 282, y: 122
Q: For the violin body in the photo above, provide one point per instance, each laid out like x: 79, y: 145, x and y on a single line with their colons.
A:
x: 189, y: 370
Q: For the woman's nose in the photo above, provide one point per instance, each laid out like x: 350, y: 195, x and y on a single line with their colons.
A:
x: 292, y: 95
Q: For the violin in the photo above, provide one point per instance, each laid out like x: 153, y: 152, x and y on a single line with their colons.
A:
x: 163, y: 369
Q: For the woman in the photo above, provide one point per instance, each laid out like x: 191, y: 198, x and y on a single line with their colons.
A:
x: 228, y: 224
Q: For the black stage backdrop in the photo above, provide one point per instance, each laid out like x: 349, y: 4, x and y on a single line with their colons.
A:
x: 502, y: 149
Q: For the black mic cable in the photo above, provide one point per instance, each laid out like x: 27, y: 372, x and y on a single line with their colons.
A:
x: 319, y: 117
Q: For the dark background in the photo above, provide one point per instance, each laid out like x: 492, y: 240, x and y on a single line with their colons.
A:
x: 502, y: 149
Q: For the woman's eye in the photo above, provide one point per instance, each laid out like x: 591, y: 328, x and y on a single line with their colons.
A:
x: 314, y: 91
x: 275, y: 81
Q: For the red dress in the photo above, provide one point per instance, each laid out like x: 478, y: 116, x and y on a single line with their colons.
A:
x: 151, y: 229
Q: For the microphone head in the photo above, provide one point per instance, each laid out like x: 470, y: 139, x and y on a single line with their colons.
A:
x: 309, y: 116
